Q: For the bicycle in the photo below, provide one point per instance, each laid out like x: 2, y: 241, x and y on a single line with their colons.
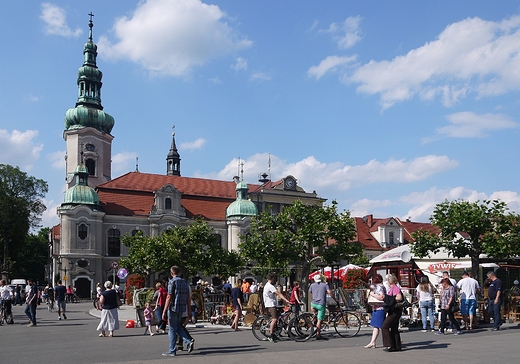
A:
x: 50, y: 304
x: 4, y: 317
x: 346, y: 324
x: 262, y: 325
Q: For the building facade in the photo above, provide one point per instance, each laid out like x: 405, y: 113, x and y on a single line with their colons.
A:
x: 98, y: 210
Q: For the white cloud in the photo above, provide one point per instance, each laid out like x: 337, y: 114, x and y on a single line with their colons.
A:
x: 240, y: 64
x: 171, y: 37
x: 472, y: 56
x: 197, y: 144
x: 346, y: 34
x: 470, y: 125
x: 57, y: 159
x: 260, y: 76
x: 123, y: 162
x: 55, y: 20
x: 50, y: 216
x: 340, y: 177
x: 423, y: 203
x: 20, y: 148
x: 331, y: 63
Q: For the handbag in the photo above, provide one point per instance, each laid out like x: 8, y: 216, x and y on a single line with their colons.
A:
x: 372, y: 301
x: 455, y: 307
x: 403, y: 304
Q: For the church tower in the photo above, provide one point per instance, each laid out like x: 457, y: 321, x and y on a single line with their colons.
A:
x: 173, y: 159
x: 87, y: 126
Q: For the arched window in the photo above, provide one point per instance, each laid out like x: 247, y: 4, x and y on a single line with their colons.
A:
x: 82, y: 231
x: 168, y: 203
x: 391, y: 238
x: 114, y: 243
x: 91, y: 166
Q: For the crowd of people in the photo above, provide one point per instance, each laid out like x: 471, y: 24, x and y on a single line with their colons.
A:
x: 386, y: 311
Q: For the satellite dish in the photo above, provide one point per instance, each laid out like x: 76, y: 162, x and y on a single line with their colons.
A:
x: 406, y: 256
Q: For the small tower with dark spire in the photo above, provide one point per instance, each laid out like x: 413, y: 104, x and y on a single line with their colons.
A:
x: 173, y: 160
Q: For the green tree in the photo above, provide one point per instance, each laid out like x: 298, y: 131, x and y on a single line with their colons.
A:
x: 21, y: 207
x: 194, y: 248
x: 300, y: 234
x: 471, y: 229
x: 32, y: 256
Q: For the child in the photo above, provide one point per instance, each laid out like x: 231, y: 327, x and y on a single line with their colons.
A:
x: 148, y: 318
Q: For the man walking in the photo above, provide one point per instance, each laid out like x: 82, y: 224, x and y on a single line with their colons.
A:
x: 495, y: 300
x: 177, y: 301
x: 319, y: 291
x: 469, y: 288
x: 60, y: 294
x: 32, y: 301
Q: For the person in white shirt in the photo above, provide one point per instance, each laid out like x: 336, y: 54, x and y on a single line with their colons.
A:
x: 469, y: 289
x: 6, y: 297
x: 271, y: 295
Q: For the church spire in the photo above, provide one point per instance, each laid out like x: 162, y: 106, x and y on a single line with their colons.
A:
x: 173, y: 160
x: 88, y: 111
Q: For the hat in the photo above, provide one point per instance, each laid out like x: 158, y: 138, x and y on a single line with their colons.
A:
x: 317, y: 278
x: 199, y: 281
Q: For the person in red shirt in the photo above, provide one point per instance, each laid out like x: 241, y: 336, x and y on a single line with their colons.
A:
x: 295, y: 297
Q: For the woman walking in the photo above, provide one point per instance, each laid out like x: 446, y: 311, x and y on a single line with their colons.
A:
x: 238, y: 301
x: 160, y: 300
x: 425, y: 295
x: 390, y: 328
x: 109, y: 316
x: 377, y: 290
x: 447, y: 302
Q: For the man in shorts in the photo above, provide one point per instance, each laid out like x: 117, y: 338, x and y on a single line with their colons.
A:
x: 271, y: 295
x: 319, y: 291
x: 469, y: 289
x: 60, y: 294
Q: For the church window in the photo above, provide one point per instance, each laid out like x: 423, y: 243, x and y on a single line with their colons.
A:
x: 114, y: 243
x: 168, y: 203
x: 218, y: 239
x: 91, y: 166
x: 82, y: 231
x: 391, y: 237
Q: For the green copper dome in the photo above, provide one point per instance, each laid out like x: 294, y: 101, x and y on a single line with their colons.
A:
x: 89, y: 111
x: 241, y: 207
x: 81, y: 193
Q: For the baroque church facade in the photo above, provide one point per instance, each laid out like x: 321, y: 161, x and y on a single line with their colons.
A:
x: 98, y: 210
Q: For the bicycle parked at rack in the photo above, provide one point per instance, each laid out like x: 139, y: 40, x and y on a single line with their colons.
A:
x: 346, y: 323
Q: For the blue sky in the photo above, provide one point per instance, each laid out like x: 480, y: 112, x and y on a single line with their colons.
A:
x: 388, y: 107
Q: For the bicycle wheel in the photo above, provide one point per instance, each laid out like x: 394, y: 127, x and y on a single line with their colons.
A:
x: 347, y: 324
x: 260, y: 328
x: 302, y: 327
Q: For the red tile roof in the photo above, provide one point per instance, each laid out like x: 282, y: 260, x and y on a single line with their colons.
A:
x: 364, y: 230
x: 132, y: 194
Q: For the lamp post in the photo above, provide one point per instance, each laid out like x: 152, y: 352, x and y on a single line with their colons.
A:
x: 64, y: 269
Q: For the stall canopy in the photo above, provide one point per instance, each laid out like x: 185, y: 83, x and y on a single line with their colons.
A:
x: 338, y: 274
x: 432, y: 265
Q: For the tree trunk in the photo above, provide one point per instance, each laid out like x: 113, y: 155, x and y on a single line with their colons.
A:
x: 475, y: 267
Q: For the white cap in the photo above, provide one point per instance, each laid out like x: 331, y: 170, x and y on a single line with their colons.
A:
x: 317, y: 278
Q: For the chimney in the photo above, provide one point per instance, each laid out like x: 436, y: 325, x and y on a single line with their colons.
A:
x: 369, y: 219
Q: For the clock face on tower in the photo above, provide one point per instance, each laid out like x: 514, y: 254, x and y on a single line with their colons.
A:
x: 290, y: 183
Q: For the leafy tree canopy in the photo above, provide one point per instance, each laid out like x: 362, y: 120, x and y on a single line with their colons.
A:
x: 194, y: 248
x: 299, y: 234
x: 471, y: 229
x: 21, y: 207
